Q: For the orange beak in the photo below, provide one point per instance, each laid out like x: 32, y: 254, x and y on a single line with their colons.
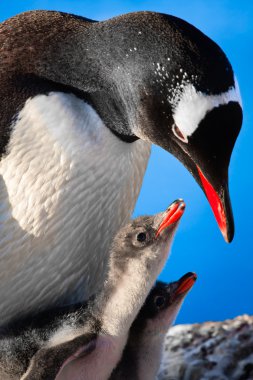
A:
x: 172, y: 215
x: 186, y: 283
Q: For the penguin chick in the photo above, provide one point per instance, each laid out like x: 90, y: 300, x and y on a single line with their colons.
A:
x: 142, y: 355
x: 88, y: 342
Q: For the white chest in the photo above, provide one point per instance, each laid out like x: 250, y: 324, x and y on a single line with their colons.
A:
x: 66, y: 185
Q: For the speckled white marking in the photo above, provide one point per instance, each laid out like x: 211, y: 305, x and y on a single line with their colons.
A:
x: 190, y: 106
x: 66, y: 185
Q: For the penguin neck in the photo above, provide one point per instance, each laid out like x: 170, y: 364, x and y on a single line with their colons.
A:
x: 129, y: 281
x: 150, y: 342
x: 149, y: 349
x: 122, y: 297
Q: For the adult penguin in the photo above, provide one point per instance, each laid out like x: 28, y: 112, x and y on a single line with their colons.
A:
x: 80, y: 103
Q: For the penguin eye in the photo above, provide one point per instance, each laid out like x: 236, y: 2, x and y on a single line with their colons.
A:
x: 179, y: 134
x: 141, y: 237
x: 159, y: 301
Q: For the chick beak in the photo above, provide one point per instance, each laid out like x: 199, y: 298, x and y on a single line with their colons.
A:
x: 172, y: 215
x: 185, y: 283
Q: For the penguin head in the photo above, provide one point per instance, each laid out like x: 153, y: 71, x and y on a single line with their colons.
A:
x: 164, y: 296
x: 182, y: 95
x: 163, y: 303
x: 144, y: 243
x: 198, y: 126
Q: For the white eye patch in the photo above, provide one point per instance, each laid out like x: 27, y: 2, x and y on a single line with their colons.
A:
x: 191, y: 106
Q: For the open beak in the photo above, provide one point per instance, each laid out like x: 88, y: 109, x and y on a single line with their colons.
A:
x: 185, y: 283
x: 220, y: 203
x: 171, y: 215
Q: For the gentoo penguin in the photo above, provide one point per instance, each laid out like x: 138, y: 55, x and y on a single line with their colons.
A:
x: 89, y: 339
x: 142, y: 354
x: 81, y: 102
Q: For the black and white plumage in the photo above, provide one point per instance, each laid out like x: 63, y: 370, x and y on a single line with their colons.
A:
x: 68, y: 342
x: 80, y: 104
x: 142, y: 355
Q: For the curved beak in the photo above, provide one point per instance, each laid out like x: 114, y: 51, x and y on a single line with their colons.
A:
x: 220, y: 203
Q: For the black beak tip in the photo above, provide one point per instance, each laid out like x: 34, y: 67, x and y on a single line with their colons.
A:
x: 230, y: 228
x: 229, y: 236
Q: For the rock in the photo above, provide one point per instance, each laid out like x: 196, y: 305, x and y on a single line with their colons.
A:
x: 209, y: 351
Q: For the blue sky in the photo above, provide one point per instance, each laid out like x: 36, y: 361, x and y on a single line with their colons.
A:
x: 225, y: 279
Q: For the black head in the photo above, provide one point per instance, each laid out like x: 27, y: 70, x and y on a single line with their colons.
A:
x: 166, y: 299
x: 173, y: 86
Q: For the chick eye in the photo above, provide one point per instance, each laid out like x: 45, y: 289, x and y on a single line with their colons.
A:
x: 141, y: 237
x: 179, y: 134
x: 159, y: 301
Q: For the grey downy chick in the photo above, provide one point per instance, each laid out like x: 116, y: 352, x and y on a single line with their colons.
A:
x: 88, y: 342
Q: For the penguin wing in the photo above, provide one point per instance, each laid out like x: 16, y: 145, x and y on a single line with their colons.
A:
x: 63, y: 358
